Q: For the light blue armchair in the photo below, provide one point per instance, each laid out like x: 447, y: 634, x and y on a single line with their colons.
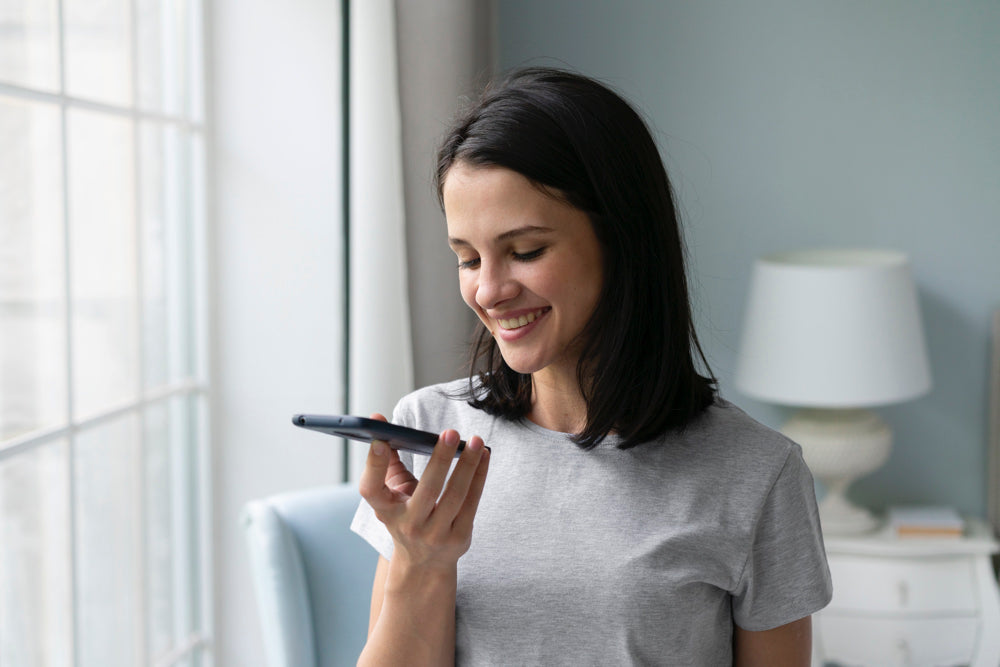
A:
x: 312, y: 576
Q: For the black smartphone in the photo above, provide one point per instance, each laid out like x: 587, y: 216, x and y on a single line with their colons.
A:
x: 366, y: 430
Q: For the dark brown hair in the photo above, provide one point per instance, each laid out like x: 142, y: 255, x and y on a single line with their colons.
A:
x: 572, y: 134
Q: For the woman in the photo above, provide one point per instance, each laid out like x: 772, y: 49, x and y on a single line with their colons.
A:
x: 631, y: 516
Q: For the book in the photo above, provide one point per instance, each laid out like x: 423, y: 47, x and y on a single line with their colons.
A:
x: 925, y: 521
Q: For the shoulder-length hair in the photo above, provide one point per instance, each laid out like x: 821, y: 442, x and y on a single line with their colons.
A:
x: 568, y: 133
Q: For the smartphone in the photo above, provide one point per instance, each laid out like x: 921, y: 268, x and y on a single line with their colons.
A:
x: 366, y: 430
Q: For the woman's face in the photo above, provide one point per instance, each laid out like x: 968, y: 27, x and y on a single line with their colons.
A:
x: 529, y: 265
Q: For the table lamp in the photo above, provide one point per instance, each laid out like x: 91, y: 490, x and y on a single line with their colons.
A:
x: 835, y: 332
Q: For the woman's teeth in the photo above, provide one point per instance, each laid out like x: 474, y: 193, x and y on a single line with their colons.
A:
x: 518, y: 322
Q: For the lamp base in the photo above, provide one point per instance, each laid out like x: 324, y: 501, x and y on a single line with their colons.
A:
x: 839, y: 516
x: 840, y: 446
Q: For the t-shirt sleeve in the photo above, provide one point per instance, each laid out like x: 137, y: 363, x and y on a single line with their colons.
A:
x: 786, y: 576
x: 367, y: 525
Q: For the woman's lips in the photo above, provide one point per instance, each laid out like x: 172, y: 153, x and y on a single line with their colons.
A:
x: 512, y: 323
x: 517, y: 326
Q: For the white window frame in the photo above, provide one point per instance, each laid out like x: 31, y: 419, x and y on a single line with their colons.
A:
x: 196, y: 648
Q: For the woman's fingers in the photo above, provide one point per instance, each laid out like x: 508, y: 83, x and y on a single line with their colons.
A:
x: 467, y: 514
x: 432, y: 480
x: 456, y: 493
x: 434, y: 515
x: 385, y: 481
x: 372, y: 483
x: 399, y: 478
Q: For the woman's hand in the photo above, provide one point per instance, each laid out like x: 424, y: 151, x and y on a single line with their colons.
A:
x: 429, y: 528
x: 413, y: 595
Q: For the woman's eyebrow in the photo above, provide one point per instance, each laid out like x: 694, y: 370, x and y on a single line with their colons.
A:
x: 506, y: 236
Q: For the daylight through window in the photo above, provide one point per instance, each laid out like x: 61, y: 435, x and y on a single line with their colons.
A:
x: 103, y: 382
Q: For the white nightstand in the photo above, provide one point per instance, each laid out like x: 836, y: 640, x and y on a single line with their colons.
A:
x: 911, y: 602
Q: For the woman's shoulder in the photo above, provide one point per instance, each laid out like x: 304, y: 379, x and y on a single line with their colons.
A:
x: 725, y: 431
x: 435, y: 394
x: 438, y: 406
x: 727, y: 460
x: 729, y: 420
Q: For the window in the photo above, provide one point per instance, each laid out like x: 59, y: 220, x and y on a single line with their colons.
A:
x: 103, y: 381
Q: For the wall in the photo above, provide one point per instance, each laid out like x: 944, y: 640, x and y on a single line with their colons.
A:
x: 848, y: 123
x: 276, y: 106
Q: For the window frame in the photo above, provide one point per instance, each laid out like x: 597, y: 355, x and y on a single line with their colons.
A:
x: 190, y: 123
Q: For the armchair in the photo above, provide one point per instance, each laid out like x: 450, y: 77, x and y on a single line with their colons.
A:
x: 312, y: 576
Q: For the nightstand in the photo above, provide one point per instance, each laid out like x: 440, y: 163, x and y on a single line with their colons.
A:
x: 911, y: 601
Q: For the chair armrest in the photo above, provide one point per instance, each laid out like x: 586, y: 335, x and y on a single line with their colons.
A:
x: 280, y: 586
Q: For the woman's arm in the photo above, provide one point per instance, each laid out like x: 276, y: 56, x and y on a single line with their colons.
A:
x: 413, y: 623
x: 378, y: 592
x: 787, y: 645
x: 412, y: 618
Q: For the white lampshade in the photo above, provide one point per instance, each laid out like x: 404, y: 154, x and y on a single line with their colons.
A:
x: 833, y: 329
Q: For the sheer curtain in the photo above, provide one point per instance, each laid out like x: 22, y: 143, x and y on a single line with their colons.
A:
x: 410, y: 64
x: 381, y: 357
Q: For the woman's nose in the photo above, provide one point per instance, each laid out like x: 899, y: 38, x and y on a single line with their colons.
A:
x: 495, y: 285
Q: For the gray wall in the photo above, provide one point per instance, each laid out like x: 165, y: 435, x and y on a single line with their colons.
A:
x: 848, y: 123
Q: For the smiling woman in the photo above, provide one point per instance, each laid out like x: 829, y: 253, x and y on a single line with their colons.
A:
x: 529, y: 266
x: 624, y: 513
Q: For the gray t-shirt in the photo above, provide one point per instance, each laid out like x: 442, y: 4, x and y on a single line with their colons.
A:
x: 644, y: 556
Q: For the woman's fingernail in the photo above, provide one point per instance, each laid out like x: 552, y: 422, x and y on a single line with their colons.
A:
x: 379, y: 448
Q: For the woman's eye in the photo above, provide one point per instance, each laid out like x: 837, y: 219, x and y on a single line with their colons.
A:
x: 468, y: 263
x: 528, y: 256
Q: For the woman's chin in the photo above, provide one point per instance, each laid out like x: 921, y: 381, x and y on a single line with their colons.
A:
x: 521, y: 367
x: 531, y: 364
x: 521, y: 364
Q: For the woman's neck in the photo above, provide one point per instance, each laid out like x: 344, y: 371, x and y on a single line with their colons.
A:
x: 557, y: 402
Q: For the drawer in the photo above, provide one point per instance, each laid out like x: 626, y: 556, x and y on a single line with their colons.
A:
x: 889, y: 585
x: 888, y: 642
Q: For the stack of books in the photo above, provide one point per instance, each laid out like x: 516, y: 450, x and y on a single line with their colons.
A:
x: 925, y: 521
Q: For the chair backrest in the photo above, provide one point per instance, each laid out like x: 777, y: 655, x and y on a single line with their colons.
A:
x: 312, y: 576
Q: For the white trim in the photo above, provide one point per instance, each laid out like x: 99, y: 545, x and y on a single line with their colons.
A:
x: 139, y: 516
x: 381, y: 350
x: 204, y: 314
x: 993, y: 481
x: 206, y: 581
x: 74, y: 567
x: 188, y: 648
x: 135, y: 113
x: 41, y: 437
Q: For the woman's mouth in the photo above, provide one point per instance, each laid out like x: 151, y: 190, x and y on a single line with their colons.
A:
x: 512, y: 323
